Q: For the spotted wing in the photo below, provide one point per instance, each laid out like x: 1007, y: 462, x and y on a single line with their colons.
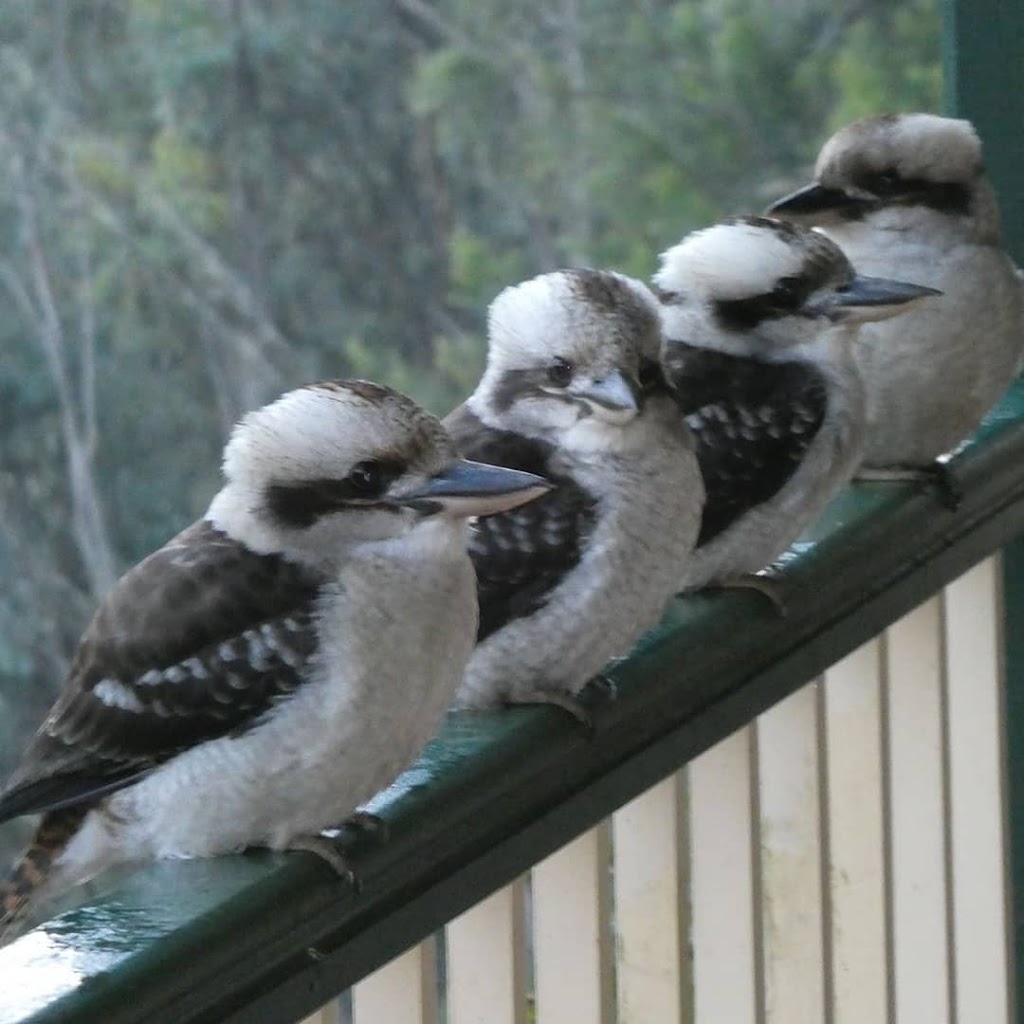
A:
x: 195, y: 642
x: 753, y: 422
x: 522, y: 555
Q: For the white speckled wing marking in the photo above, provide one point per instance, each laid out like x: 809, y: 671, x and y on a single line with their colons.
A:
x: 195, y: 642
x: 522, y: 555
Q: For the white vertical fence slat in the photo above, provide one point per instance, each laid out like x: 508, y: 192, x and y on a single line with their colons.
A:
x: 486, y: 961
x: 808, y: 869
x: 648, y: 907
x: 328, y: 1014
x: 973, y: 612
x: 856, y: 846
x: 722, y: 883
x: 917, y: 817
x: 401, y: 992
x: 572, y: 932
x: 790, y: 859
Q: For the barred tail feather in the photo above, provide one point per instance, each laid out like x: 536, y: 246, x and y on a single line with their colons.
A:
x: 26, y: 885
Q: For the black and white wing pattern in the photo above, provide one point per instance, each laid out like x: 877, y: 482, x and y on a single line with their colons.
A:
x: 522, y: 555
x: 195, y: 642
x: 753, y: 421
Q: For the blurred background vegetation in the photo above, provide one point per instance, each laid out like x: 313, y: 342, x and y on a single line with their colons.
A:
x: 205, y: 202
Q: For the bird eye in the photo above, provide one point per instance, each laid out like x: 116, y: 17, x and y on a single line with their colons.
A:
x: 560, y: 372
x: 788, y: 292
x: 368, y: 477
x: 651, y: 377
x: 883, y: 183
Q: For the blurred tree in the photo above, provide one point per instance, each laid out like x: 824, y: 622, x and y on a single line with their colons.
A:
x: 203, y: 202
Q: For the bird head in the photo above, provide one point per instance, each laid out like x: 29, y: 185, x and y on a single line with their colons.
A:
x: 896, y: 171
x: 568, y: 348
x: 756, y: 286
x: 342, y: 462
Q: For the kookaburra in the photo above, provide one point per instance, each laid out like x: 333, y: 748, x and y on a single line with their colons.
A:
x: 574, y: 579
x: 759, y: 320
x: 906, y: 196
x: 278, y: 662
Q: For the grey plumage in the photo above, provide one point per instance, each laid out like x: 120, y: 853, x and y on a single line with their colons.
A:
x: 906, y: 195
x: 573, y: 581
x: 759, y: 319
x: 278, y: 662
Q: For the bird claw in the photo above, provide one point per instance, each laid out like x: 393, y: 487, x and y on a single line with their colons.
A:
x: 938, y: 474
x: 950, y: 490
x: 771, y: 590
x: 328, y: 852
x: 605, y: 685
x: 564, y: 701
x: 367, y: 823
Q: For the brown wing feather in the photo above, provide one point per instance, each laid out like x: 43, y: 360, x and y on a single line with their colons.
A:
x: 198, y: 589
x: 196, y: 641
x: 753, y: 422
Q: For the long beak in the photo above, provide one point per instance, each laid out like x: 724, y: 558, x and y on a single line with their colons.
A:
x: 873, y: 298
x: 813, y: 202
x: 474, y: 489
x: 614, y: 397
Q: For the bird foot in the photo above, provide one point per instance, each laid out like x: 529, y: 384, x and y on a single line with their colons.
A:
x: 771, y: 590
x: 950, y: 490
x: 938, y: 474
x: 558, y: 699
x: 605, y: 685
x: 327, y: 851
x: 367, y: 823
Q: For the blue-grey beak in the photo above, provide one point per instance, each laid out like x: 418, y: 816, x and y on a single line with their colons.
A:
x: 873, y: 298
x: 615, y: 396
x: 474, y: 489
x: 815, y: 203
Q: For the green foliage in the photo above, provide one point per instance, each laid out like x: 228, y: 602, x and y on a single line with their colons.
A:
x: 867, y: 86
x: 184, y: 172
x: 458, y: 363
x: 479, y: 270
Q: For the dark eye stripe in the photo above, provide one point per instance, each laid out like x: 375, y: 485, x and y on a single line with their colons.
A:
x: 302, y: 504
x: 745, y: 314
x: 880, y: 183
x: 889, y: 186
x: 515, y: 383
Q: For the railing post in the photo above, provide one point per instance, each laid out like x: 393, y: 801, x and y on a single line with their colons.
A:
x: 984, y: 66
x: 983, y: 54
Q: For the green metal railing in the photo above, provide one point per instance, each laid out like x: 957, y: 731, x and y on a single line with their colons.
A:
x: 271, y: 937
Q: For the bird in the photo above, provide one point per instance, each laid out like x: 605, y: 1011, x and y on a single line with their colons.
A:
x: 759, y: 318
x: 906, y: 196
x: 573, y: 580
x: 276, y: 663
